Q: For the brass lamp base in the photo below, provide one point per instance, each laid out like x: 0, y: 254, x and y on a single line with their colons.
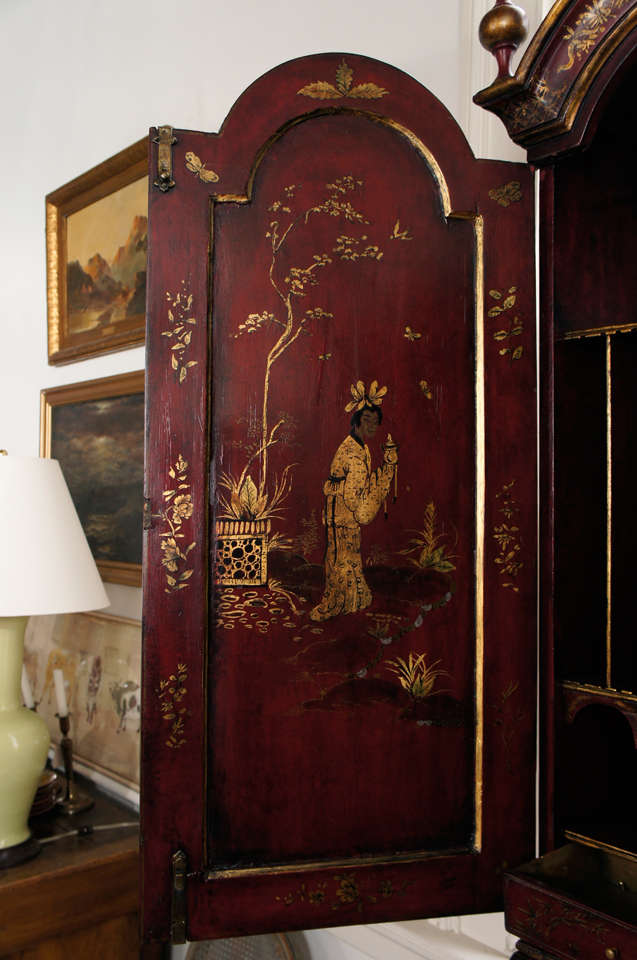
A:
x: 75, y: 803
x: 19, y: 853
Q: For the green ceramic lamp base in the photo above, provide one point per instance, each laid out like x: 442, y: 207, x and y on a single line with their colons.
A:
x: 24, y: 742
x: 12, y: 856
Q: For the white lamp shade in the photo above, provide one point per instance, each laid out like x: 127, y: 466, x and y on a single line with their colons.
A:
x: 46, y: 563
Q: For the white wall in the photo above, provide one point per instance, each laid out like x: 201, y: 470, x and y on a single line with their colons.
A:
x: 82, y: 79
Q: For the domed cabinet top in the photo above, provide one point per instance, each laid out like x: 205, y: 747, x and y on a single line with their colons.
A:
x: 580, y: 50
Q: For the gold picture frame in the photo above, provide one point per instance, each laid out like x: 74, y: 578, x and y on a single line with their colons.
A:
x: 95, y: 429
x: 96, y: 234
x: 100, y: 658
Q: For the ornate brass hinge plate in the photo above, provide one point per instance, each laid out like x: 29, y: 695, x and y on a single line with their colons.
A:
x: 178, y: 917
x: 165, y: 139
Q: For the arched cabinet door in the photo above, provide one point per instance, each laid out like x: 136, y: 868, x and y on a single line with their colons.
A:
x: 339, y: 594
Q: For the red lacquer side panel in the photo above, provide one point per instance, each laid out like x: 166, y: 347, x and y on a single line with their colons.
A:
x: 339, y: 643
x: 176, y: 542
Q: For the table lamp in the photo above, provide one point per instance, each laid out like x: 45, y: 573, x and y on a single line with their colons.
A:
x: 46, y: 567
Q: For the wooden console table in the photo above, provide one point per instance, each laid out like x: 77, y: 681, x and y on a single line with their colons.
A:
x: 79, y: 897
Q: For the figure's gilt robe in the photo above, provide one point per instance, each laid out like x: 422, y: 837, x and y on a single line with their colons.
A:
x: 353, y: 495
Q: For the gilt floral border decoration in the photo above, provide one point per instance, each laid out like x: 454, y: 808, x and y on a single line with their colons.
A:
x: 181, y: 324
x: 178, y: 507
x: 170, y: 693
x: 507, y: 537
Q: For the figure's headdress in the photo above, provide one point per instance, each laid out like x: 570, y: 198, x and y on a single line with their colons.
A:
x: 365, y: 398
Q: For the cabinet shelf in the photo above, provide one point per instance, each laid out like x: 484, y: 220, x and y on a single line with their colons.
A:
x: 598, y: 767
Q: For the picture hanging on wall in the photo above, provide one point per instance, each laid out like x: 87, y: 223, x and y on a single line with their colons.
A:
x: 96, y: 237
x: 99, y: 656
x: 95, y: 430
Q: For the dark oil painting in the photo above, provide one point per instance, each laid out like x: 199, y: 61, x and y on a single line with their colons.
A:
x: 99, y: 445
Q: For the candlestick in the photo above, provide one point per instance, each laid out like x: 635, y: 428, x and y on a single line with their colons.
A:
x: 60, y: 693
x: 73, y: 801
x: 27, y: 696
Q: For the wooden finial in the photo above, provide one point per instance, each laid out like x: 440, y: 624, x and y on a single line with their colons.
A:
x: 501, y: 32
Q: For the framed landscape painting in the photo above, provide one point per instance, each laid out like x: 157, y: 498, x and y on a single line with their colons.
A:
x: 95, y: 430
x: 96, y: 234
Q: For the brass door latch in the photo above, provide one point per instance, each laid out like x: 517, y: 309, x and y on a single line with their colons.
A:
x: 165, y: 139
x: 178, y: 863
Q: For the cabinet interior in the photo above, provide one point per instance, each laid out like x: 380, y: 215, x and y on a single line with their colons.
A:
x: 595, y: 471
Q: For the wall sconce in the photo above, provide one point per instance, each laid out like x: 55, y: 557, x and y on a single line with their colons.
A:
x: 46, y: 567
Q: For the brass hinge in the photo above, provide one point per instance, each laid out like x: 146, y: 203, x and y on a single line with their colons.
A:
x: 165, y: 139
x: 147, y: 517
x: 179, y: 863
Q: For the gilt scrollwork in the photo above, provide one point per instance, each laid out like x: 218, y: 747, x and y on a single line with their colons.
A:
x: 588, y: 28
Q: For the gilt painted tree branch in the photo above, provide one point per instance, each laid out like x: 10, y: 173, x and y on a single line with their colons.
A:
x: 299, y: 279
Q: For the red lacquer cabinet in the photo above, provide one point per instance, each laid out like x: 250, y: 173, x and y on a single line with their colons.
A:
x: 340, y: 577
x: 571, y: 104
